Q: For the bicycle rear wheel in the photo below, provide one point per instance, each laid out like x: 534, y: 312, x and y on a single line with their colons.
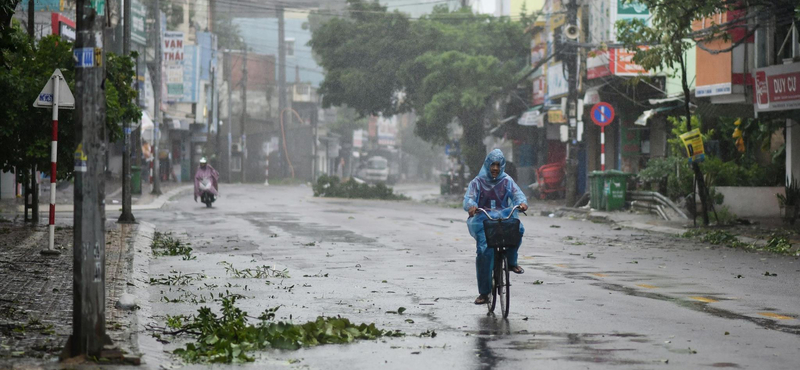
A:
x: 493, y: 299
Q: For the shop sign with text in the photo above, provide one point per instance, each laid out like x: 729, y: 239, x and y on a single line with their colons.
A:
x: 777, y: 88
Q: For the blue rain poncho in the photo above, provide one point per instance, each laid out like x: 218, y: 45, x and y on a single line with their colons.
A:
x: 497, y: 196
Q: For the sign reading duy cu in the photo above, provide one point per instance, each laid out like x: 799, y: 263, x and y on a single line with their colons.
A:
x: 777, y: 88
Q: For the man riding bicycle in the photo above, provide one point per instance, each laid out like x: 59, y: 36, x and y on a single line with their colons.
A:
x: 491, y: 190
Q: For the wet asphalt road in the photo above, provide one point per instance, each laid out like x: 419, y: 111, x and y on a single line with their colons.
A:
x: 591, y: 297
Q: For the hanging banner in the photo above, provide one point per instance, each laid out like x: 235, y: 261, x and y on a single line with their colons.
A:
x: 173, y: 63
x: 138, y: 15
x: 557, y: 85
x: 539, y: 90
x: 693, y: 141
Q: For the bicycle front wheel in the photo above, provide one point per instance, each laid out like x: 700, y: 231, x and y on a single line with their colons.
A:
x: 493, y: 301
x: 504, y: 293
x: 499, y: 291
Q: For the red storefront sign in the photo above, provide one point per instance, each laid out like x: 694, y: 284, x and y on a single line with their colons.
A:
x: 619, y: 62
x: 63, y: 26
x: 777, y: 88
x: 597, y: 64
x: 539, y: 90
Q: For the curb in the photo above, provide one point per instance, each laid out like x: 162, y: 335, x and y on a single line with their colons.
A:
x: 604, y: 217
x: 163, y: 198
x: 156, y: 204
x: 145, y: 345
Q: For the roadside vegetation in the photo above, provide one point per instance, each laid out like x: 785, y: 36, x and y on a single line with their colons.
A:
x: 164, y: 244
x: 333, y: 187
x: 230, y: 337
x: 776, y: 242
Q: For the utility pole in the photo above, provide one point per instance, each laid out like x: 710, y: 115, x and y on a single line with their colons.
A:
x: 157, y: 112
x: 31, y: 19
x: 88, y: 310
x: 281, y: 80
x: 212, y: 109
x: 244, y: 113
x: 127, y: 216
x: 573, y: 65
x: 229, y: 70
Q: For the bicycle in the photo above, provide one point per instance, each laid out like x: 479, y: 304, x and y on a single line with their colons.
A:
x: 501, y: 234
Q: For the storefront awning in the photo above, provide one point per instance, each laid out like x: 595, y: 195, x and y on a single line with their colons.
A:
x: 500, y: 130
x: 533, y: 117
x: 646, y: 115
x: 592, y: 96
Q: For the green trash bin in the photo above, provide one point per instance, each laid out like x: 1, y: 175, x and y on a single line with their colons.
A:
x: 615, y: 186
x: 444, y: 186
x: 596, y: 184
x: 136, y: 180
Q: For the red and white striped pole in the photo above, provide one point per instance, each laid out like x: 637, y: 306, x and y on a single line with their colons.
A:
x: 602, y: 148
x: 53, y: 165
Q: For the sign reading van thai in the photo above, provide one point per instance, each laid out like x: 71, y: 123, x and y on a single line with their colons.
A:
x: 777, y: 88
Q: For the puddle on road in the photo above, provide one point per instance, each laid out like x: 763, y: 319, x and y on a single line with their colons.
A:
x: 314, y: 231
x: 700, y: 306
x: 493, y: 335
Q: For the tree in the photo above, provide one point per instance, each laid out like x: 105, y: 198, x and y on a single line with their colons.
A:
x: 24, y: 134
x: 228, y: 33
x: 7, y: 10
x: 120, y: 93
x: 449, y: 66
x: 347, y: 120
x: 670, y: 36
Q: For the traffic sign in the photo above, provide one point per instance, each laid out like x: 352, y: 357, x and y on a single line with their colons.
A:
x: 65, y: 98
x: 84, y: 57
x: 602, y: 114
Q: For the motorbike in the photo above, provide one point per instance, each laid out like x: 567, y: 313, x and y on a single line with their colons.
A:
x: 207, y: 191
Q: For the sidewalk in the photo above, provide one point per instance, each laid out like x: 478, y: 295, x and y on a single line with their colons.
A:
x: 146, y: 200
x: 36, y: 297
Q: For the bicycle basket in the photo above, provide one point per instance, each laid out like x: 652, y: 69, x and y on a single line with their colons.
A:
x: 502, y: 233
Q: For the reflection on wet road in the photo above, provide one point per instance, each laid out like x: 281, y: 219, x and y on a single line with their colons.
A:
x: 592, y: 297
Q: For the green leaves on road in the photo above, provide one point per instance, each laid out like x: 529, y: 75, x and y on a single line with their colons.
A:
x: 177, y: 278
x: 776, y: 242
x: 260, y: 272
x: 332, y: 187
x: 229, y: 338
x: 165, y: 245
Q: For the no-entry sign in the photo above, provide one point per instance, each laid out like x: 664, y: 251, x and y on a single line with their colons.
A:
x: 602, y: 114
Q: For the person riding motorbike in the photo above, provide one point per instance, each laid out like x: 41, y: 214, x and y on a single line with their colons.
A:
x: 492, y: 190
x: 205, y: 173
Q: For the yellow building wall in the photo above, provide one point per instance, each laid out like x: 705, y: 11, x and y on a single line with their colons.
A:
x: 532, y: 6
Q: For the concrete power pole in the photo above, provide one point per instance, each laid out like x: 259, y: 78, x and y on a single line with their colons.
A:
x: 281, y: 80
x: 31, y: 19
x: 157, y: 93
x: 573, y: 65
x: 88, y: 310
x: 244, y: 114
x: 228, y: 71
x: 127, y: 215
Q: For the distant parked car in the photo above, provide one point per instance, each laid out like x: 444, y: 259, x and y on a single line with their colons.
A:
x: 376, y: 170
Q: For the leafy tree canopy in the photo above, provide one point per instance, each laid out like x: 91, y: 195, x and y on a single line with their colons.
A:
x: 448, y: 66
x: 25, y: 132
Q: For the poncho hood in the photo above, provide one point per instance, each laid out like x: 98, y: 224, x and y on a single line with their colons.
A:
x: 486, y: 174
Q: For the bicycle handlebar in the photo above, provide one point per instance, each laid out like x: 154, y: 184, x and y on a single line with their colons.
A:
x: 509, y: 214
